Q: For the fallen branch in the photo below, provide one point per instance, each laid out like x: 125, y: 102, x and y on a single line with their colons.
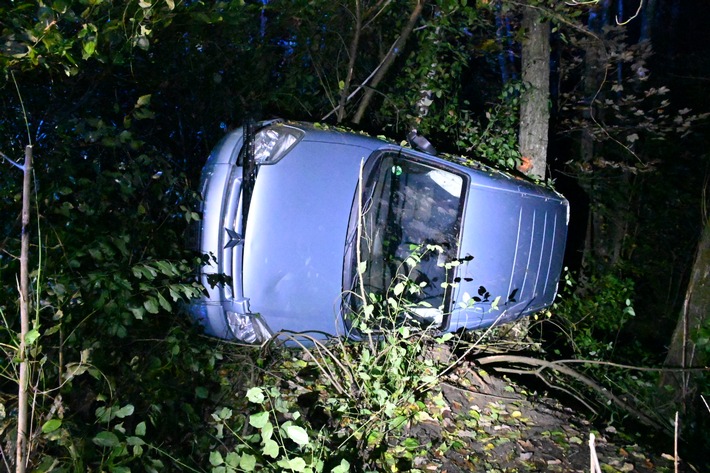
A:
x: 542, y: 365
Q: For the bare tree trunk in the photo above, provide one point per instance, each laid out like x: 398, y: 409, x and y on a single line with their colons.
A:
x: 647, y: 18
x: 22, y: 419
x: 683, y: 352
x: 534, y: 106
x: 389, y: 60
x: 594, y: 75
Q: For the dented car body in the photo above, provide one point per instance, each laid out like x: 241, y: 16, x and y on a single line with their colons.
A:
x: 298, y: 221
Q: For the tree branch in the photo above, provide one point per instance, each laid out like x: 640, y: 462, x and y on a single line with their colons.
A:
x: 352, y: 53
x: 389, y: 60
x: 542, y: 365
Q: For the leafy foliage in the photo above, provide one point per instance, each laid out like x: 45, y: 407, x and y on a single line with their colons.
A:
x: 593, y: 314
x: 624, y: 108
x: 121, y: 98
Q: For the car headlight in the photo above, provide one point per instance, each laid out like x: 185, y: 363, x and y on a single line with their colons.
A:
x: 273, y: 143
x: 248, y: 328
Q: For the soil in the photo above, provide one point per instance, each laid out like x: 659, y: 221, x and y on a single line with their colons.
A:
x: 480, y: 422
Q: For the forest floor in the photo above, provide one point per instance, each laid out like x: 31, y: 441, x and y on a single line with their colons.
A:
x: 473, y: 420
x: 484, y: 423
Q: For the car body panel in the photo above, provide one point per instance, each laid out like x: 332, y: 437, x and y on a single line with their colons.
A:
x: 290, y: 265
x: 514, y: 236
x: 293, y: 255
x: 218, y: 176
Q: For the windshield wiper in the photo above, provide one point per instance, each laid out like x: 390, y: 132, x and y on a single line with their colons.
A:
x: 246, y: 160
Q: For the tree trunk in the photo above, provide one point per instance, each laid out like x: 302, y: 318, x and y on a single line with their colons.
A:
x: 647, y: 20
x: 534, y: 106
x: 695, y: 314
x: 22, y: 418
x: 594, y: 75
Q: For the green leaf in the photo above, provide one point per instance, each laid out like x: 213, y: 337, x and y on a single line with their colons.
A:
x: 31, y: 337
x: 140, y: 429
x: 232, y: 459
x: 247, y: 462
x: 398, y: 289
x: 216, y: 458
x: 267, y: 431
x: 445, y: 337
x: 51, y: 425
x: 143, y: 100
x: 293, y: 464
x: 494, y: 304
x: 223, y: 414
x: 271, y: 448
x: 163, y: 302
x: 362, y: 267
x: 259, y: 420
x: 151, y: 305
x: 256, y: 395
x: 125, y: 411
x: 166, y: 268
x: 119, y: 469
x: 344, y: 467
x: 137, y: 312
x: 89, y: 49
x: 132, y: 440
x: 397, y: 422
x: 201, y: 392
x: 106, y: 439
x: 297, y: 434
x: 174, y: 294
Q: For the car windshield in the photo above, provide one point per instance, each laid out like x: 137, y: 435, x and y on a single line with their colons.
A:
x: 411, y: 212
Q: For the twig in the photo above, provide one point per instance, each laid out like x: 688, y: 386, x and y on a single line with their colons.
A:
x: 384, y: 67
x: 638, y: 10
x: 593, y: 459
x: 352, y: 53
x: 675, y: 444
x: 569, y: 392
x: 543, y: 364
x: 327, y: 372
x: 22, y: 105
x: 629, y: 367
x: 364, y: 83
x: 16, y: 164
x: 471, y: 348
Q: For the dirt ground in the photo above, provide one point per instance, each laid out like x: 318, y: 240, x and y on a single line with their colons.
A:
x: 482, y: 423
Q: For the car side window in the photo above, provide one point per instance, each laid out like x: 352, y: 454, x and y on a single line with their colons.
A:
x: 409, y: 205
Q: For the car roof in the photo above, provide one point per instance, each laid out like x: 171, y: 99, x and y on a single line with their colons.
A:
x: 481, y: 174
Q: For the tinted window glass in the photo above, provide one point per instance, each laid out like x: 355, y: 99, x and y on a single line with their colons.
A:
x: 407, y: 206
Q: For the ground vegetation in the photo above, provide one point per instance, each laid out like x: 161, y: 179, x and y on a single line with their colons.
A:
x: 121, y: 102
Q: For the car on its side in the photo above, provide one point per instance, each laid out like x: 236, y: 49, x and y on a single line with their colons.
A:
x: 300, y: 222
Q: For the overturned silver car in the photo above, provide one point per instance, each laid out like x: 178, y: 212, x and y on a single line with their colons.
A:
x: 302, y: 224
